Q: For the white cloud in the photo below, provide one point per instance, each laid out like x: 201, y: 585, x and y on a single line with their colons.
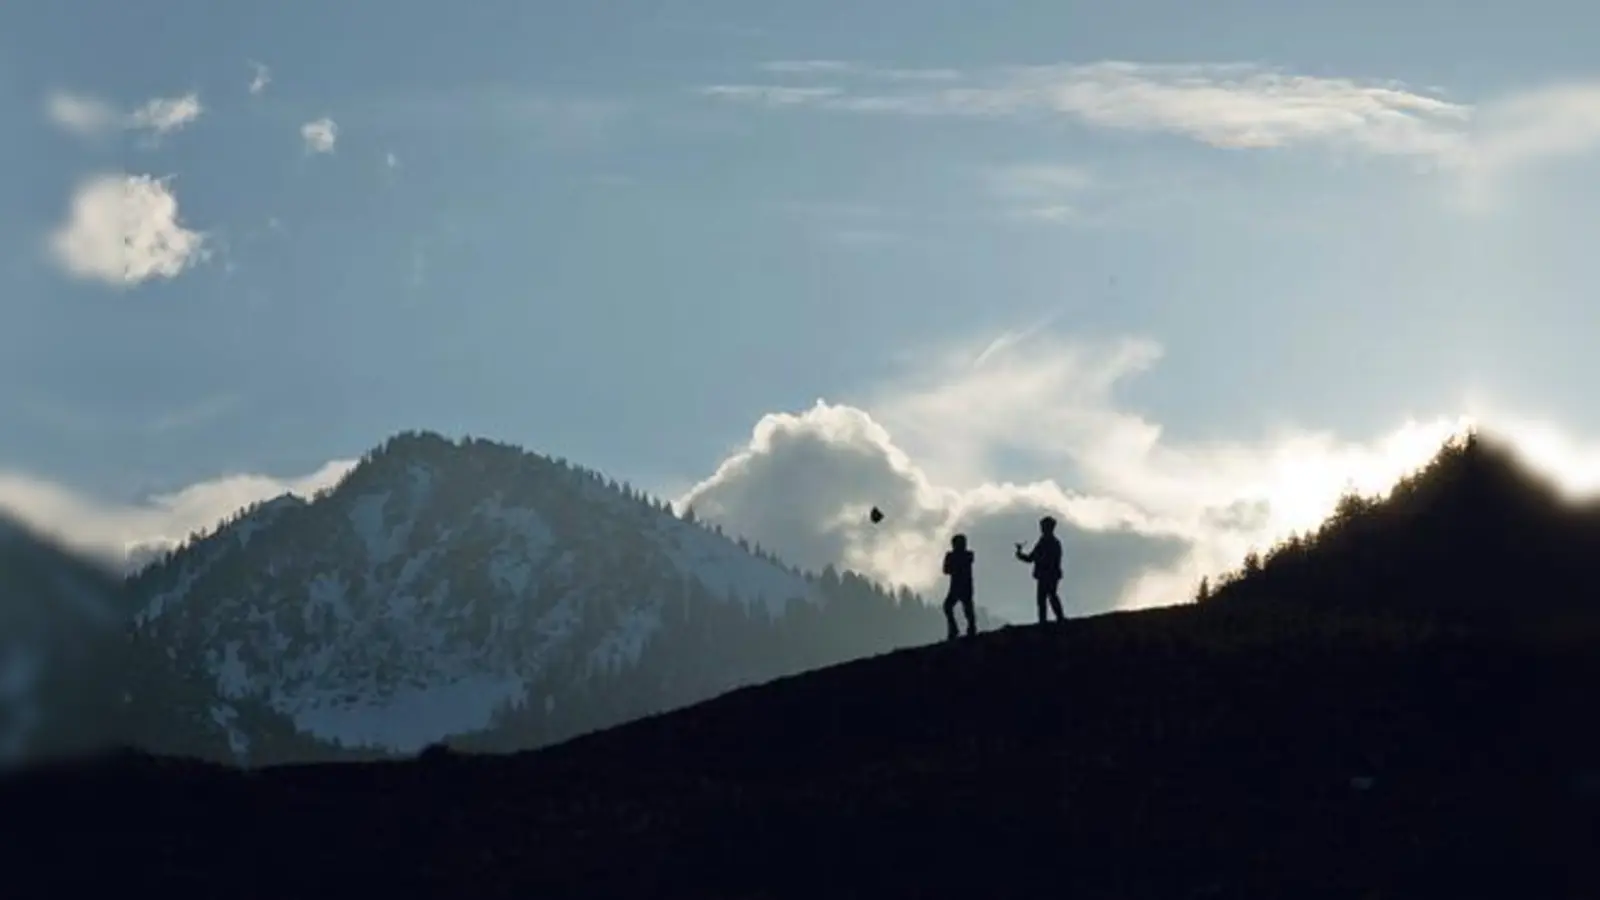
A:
x: 391, y: 161
x: 124, y: 229
x: 320, y: 135
x: 92, y: 117
x: 1043, y: 192
x: 1234, y: 106
x: 772, y: 95
x: 120, y: 531
x: 261, y: 77
x: 1145, y: 518
x: 809, y: 67
x: 165, y: 114
x: 819, y: 67
x: 81, y: 114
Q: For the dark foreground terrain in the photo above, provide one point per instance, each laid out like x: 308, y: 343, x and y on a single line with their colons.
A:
x: 1144, y: 755
x: 1263, y: 743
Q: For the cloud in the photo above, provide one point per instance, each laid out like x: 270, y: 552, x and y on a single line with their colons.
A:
x: 811, y: 67
x: 805, y: 483
x: 91, y: 117
x: 863, y: 238
x: 510, y: 111
x: 1144, y: 516
x: 772, y: 95
x: 390, y: 161
x: 1041, y: 192
x: 1228, y: 105
x: 320, y: 135
x: 261, y: 77
x: 163, y: 114
x: 133, y: 532
x: 123, y: 230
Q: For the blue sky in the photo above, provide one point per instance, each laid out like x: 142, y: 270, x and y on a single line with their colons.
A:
x: 1198, y: 241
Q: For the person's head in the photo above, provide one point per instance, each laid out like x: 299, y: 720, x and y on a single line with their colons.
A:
x: 958, y: 542
x: 1047, y: 525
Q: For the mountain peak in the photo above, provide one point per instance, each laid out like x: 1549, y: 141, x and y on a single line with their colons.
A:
x: 478, y: 592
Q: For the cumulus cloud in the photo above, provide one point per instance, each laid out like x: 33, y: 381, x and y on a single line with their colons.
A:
x: 132, y: 533
x: 261, y: 77
x: 124, y: 229
x: 1143, y: 519
x: 92, y: 117
x: 320, y: 135
x: 1232, y: 105
x: 806, y: 482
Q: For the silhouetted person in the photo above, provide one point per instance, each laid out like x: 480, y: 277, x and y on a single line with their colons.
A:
x: 1046, y: 559
x: 958, y: 565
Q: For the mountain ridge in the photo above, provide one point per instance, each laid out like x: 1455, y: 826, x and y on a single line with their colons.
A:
x: 1265, y: 742
x: 472, y: 591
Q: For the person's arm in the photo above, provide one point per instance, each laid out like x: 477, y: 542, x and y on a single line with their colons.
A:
x: 947, y: 564
x: 1025, y: 557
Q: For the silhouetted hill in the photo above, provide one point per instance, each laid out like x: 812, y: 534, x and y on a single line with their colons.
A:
x: 60, y: 647
x: 1473, y: 538
x: 1302, y: 741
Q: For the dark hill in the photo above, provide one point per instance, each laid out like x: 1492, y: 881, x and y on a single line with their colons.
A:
x: 1407, y: 733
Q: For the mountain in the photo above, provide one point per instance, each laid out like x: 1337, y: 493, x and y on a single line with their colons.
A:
x: 60, y: 618
x: 473, y: 592
x: 1394, y: 706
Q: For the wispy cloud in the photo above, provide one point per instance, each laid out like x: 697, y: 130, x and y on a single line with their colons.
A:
x: 1233, y: 105
x: 774, y: 95
x: 197, y: 413
x: 89, y: 116
x: 810, y: 67
x: 261, y: 77
x: 320, y: 135
x: 125, y: 229
x: 524, y: 111
x: 1042, y: 192
x: 115, y: 530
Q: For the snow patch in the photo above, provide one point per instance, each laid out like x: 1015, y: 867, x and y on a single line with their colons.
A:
x: 622, y: 646
x: 366, y: 517
x: 238, y: 742
x: 725, y: 569
x: 233, y: 676
x: 413, y: 717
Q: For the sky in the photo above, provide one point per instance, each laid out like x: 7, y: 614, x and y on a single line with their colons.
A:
x: 1176, y: 273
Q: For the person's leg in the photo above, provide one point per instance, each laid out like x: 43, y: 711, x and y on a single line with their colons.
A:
x: 967, y: 608
x: 1055, y: 601
x: 950, y: 616
x: 1041, y: 592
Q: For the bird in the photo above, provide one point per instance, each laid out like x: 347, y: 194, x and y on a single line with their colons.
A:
x: 876, y: 515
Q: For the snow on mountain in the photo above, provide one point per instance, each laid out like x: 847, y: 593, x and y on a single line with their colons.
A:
x: 436, y: 585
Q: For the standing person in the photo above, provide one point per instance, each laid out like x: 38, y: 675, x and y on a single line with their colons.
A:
x: 958, y: 565
x: 1046, y: 559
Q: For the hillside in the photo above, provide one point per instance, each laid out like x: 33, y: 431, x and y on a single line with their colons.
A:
x: 462, y: 591
x: 59, y: 646
x: 1322, y: 726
